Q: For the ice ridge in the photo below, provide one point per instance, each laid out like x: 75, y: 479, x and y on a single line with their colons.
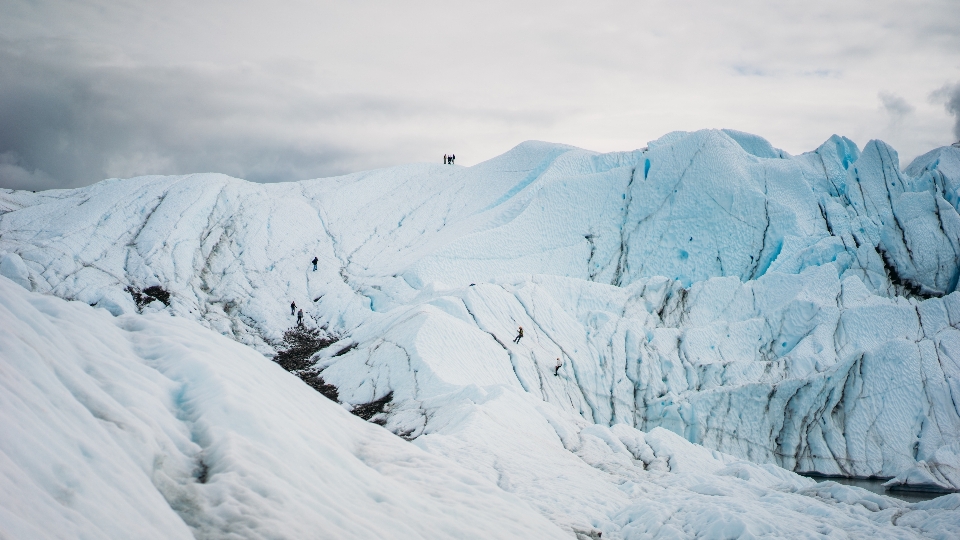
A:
x: 794, y: 310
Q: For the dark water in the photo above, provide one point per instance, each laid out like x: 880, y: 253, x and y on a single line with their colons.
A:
x: 876, y: 485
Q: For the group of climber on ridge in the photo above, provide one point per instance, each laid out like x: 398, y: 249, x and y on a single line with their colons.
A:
x: 448, y: 160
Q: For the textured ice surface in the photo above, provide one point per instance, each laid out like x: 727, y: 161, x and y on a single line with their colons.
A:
x: 154, y: 427
x: 792, y: 310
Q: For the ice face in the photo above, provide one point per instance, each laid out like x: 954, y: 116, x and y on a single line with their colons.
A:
x: 793, y: 310
x: 153, y: 426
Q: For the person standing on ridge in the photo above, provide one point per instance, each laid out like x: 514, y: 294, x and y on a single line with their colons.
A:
x: 519, y: 335
x: 300, y: 318
x: 293, y: 307
x: 444, y: 159
x: 453, y: 158
x: 315, y: 261
x: 556, y: 372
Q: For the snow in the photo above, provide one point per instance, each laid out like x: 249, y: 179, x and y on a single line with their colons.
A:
x: 791, y: 311
x: 155, y: 427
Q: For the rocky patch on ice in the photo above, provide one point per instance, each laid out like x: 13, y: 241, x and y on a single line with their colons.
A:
x: 148, y: 296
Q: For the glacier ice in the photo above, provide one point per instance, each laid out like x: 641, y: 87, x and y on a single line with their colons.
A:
x: 791, y: 310
x: 155, y: 427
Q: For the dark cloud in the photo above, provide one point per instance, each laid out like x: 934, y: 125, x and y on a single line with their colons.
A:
x: 70, y: 118
x: 70, y: 121
x: 950, y: 96
x: 896, y: 106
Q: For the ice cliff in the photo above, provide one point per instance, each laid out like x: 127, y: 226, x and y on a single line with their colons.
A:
x: 791, y: 310
x: 155, y: 427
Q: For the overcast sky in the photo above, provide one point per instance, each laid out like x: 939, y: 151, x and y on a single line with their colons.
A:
x: 272, y: 91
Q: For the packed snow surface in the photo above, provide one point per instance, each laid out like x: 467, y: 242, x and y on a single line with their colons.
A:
x: 155, y: 427
x: 793, y: 311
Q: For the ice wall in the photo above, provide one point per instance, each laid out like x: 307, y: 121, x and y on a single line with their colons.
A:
x: 154, y: 427
x: 798, y: 310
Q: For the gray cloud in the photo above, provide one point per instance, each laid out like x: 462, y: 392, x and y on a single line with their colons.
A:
x: 296, y: 89
x: 949, y: 95
x: 896, y: 106
x: 66, y: 118
x: 70, y: 120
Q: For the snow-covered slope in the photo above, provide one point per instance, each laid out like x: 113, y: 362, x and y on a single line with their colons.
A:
x: 154, y: 427
x: 791, y: 310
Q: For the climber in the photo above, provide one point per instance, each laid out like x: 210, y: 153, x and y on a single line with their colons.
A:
x: 519, y: 335
x: 452, y: 158
x: 293, y: 307
x: 315, y: 261
x: 445, y: 158
x: 556, y: 372
x: 300, y: 318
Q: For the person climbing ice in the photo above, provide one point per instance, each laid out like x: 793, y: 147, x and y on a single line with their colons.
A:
x: 519, y: 335
x: 556, y: 372
x: 315, y: 261
x: 300, y: 318
x: 293, y: 307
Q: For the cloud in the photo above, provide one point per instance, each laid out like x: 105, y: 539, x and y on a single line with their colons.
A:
x: 296, y: 89
x: 949, y: 95
x: 13, y: 176
x: 751, y: 71
x: 896, y: 106
x: 70, y: 117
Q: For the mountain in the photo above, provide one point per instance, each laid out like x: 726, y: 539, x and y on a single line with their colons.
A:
x: 791, y: 311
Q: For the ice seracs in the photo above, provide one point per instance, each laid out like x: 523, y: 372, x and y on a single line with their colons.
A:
x: 790, y: 310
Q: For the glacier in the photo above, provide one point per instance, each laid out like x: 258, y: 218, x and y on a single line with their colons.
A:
x: 156, y: 427
x: 152, y: 426
x: 774, y: 310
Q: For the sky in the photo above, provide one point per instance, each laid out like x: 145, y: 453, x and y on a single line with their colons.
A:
x: 290, y: 90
